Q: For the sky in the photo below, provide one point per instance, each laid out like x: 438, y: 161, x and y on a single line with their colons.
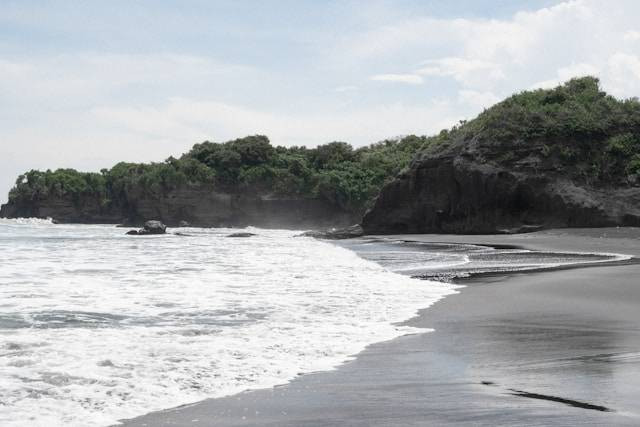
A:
x: 87, y: 84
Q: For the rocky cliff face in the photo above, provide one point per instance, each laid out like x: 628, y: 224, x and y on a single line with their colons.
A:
x: 64, y: 209
x: 199, y: 206
x: 473, y: 186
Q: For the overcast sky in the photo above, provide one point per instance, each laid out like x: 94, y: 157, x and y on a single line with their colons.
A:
x: 87, y: 84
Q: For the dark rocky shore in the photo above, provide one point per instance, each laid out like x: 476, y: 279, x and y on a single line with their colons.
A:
x: 469, y: 188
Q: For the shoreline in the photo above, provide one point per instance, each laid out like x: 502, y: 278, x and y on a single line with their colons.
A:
x: 448, y: 376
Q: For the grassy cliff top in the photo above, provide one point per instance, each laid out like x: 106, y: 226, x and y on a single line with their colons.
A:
x: 575, y: 129
x: 576, y: 110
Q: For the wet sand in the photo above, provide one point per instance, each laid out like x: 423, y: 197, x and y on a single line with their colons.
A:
x: 540, y: 348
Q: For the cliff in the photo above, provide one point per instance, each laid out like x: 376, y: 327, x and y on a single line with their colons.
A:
x: 567, y: 157
x: 245, y: 181
x: 197, y: 205
x: 460, y: 191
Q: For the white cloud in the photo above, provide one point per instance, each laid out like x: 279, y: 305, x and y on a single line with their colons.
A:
x: 92, y: 75
x: 482, y: 39
x: 623, y: 74
x: 539, y: 48
x: 567, y: 73
x: 577, y: 70
x: 477, y: 100
x: 464, y: 70
x: 632, y: 35
x: 622, y: 63
x: 196, y: 120
x: 413, y: 79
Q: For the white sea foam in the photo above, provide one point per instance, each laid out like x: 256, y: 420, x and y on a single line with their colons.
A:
x: 446, y: 261
x: 96, y: 326
x: 26, y: 221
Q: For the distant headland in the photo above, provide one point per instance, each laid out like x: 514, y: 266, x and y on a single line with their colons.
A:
x: 563, y: 157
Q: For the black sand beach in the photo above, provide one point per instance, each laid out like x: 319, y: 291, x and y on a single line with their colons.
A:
x: 540, y: 348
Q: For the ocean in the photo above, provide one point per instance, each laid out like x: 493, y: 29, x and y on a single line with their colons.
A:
x: 96, y: 326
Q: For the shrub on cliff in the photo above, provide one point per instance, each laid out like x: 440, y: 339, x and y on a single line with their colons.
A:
x: 592, y: 135
x: 577, y: 110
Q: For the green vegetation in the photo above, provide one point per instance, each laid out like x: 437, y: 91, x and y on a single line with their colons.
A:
x: 587, y: 134
x: 63, y: 182
x: 576, y: 110
x: 336, y: 172
x: 594, y: 135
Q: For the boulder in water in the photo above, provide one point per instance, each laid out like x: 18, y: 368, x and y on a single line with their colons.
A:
x: 154, y: 227
x: 150, y: 227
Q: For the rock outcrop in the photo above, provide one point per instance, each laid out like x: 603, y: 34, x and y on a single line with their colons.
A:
x: 562, y: 157
x: 470, y: 187
x: 150, y: 227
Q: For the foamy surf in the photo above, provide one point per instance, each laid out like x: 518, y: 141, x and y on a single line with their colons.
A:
x: 97, y: 326
x: 449, y: 261
x: 26, y: 221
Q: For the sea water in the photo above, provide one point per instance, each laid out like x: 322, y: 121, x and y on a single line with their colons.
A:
x: 96, y: 326
x: 450, y: 261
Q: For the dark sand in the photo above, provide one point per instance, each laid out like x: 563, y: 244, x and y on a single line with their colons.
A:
x: 544, y: 348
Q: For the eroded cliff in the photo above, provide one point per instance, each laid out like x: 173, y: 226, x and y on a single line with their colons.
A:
x: 567, y: 157
x: 199, y: 206
x: 459, y: 191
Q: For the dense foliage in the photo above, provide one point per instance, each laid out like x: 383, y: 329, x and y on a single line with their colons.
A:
x: 594, y: 134
x: 38, y: 185
x: 589, y: 133
x: 347, y: 177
